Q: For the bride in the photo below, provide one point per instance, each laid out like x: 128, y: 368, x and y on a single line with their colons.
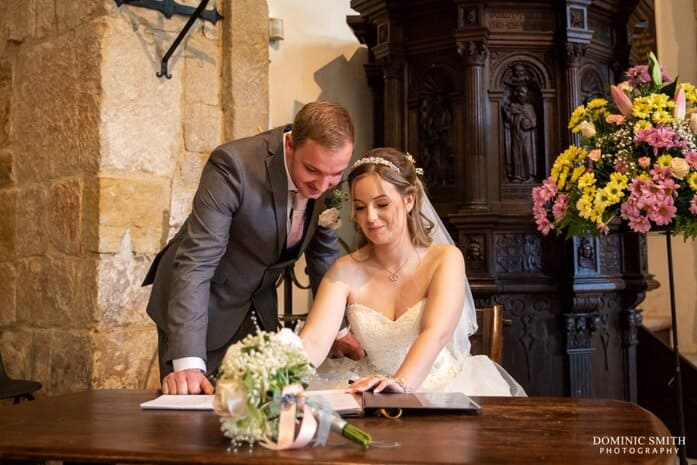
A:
x: 405, y: 295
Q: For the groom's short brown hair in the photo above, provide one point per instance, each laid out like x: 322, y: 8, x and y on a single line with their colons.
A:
x: 326, y: 123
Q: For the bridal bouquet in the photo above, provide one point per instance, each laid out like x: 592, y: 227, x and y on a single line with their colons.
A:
x: 637, y: 159
x: 259, y: 395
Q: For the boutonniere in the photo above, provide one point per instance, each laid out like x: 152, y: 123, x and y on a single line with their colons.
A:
x: 330, y: 217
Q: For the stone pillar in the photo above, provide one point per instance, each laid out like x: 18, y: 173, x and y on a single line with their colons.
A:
x: 393, y: 71
x: 99, y: 160
x: 579, y: 333
x: 245, y: 59
x: 574, y: 55
x: 578, y: 36
x: 475, y: 125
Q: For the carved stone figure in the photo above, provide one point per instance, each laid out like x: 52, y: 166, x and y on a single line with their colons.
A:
x: 586, y: 254
x: 520, y: 123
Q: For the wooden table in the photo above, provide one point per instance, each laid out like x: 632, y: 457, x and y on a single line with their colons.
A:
x: 108, y: 427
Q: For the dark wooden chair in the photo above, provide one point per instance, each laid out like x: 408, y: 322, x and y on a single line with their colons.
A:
x: 16, y: 388
x: 488, y: 339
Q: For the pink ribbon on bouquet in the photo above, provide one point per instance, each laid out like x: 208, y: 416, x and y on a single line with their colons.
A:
x: 287, y: 438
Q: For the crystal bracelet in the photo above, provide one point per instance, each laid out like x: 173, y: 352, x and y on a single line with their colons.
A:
x: 405, y: 387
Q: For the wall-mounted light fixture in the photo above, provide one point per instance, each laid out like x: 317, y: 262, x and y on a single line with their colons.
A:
x: 275, y: 29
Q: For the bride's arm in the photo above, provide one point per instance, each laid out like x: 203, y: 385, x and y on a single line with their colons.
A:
x: 446, y: 296
x: 324, y: 319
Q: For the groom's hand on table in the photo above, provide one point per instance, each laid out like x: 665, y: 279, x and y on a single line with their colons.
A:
x: 347, y: 346
x: 191, y: 381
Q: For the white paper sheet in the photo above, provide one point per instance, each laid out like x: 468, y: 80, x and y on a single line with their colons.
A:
x: 341, y: 401
x: 171, y: 402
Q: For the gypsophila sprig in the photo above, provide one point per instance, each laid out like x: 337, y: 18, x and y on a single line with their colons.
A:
x: 637, y: 160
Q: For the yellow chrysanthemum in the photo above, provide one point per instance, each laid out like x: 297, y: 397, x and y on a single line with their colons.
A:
x: 585, y: 207
x: 564, y: 163
x: 664, y: 161
x: 641, y: 109
x: 601, y: 201
x: 597, y: 103
x: 644, y: 177
x: 662, y: 117
x: 692, y: 181
x: 690, y: 93
x: 578, y: 171
x: 656, y: 107
x: 642, y: 124
x: 587, y: 180
x: 613, y: 192
x: 576, y: 117
x: 620, y: 179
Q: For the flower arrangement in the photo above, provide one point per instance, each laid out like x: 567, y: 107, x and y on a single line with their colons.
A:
x: 637, y: 160
x: 259, y: 380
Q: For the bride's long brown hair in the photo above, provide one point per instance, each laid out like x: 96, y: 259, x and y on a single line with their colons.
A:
x: 406, y: 181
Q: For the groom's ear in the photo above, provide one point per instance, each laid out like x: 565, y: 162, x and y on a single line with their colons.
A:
x: 289, y: 143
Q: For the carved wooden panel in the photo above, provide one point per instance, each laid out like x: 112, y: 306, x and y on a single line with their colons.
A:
x: 479, y: 93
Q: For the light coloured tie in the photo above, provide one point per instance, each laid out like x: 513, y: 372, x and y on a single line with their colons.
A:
x: 297, y: 220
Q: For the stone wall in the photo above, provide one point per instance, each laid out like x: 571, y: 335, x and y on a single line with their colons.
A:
x: 99, y: 160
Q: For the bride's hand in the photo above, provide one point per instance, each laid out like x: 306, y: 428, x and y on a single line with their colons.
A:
x: 376, y: 383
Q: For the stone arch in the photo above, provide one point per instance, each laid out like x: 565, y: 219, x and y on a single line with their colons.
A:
x: 532, y: 65
x: 592, y: 84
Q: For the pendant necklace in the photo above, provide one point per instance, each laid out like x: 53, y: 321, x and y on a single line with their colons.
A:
x: 393, y: 275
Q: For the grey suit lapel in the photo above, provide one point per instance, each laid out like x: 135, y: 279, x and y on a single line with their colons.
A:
x: 279, y: 183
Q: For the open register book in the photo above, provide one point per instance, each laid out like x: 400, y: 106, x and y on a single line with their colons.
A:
x: 369, y: 403
x: 344, y: 403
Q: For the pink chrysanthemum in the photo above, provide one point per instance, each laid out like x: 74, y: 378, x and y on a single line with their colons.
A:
x: 663, y: 211
x: 561, y: 205
x: 661, y: 137
x: 691, y: 158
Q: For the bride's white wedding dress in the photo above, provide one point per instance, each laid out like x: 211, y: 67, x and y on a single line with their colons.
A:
x: 387, y: 342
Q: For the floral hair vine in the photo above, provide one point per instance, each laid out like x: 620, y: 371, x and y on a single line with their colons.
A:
x: 387, y: 163
x: 419, y: 171
x: 374, y: 161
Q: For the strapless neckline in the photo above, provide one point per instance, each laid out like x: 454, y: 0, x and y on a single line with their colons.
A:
x: 417, y: 305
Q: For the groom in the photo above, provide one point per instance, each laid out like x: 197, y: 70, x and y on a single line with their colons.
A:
x: 254, y: 213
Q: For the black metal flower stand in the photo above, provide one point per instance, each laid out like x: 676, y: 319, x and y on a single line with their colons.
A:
x: 676, y: 352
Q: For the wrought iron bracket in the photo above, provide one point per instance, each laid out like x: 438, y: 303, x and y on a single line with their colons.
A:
x: 170, y: 8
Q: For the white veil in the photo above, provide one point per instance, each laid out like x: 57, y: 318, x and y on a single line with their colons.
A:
x: 467, y: 325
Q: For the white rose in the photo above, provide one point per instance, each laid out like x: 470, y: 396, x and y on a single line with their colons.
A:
x: 287, y: 336
x: 230, y: 399
x: 329, y: 218
x: 587, y: 129
x: 679, y: 167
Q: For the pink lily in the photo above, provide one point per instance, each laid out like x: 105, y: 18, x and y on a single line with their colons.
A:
x: 622, y: 101
x: 679, y: 110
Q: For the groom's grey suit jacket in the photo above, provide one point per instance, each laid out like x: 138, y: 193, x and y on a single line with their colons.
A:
x: 230, y: 252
